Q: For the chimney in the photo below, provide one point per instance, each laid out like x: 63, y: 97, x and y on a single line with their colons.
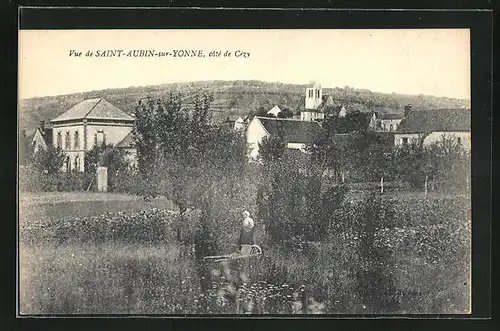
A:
x: 407, y: 110
x: 42, y: 126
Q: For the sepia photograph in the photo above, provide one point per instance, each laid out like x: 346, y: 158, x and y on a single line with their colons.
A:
x: 244, y: 172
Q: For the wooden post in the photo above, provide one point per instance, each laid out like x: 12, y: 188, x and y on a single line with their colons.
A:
x: 382, y: 184
x: 343, y: 178
x: 91, y: 182
x: 426, y: 177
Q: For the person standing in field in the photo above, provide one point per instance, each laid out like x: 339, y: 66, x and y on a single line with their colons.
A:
x: 247, y: 233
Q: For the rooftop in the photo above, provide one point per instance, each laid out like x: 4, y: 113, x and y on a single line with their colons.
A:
x: 391, y: 116
x: 432, y: 120
x: 127, y: 142
x: 294, y: 131
x: 97, y: 108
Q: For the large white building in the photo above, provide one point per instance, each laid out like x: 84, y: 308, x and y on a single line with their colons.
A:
x: 90, y: 122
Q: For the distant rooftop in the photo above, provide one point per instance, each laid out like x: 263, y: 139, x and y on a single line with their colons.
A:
x: 432, y: 120
x: 295, y: 131
x: 391, y: 116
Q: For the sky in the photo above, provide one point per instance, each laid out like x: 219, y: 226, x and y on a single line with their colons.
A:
x: 420, y: 61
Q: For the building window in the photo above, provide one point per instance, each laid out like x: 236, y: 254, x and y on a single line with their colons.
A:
x: 68, y: 164
x: 317, y: 93
x: 405, y: 141
x: 77, y: 140
x: 390, y: 128
x: 77, y: 163
x: 59, y: 140
x: 67, y: 142
x: 459, y: 140
x: 100, y: 138
x: 310, y: 93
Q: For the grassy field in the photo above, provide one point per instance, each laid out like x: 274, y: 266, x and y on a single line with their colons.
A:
x: 57, y: 205
x: 131, y: 262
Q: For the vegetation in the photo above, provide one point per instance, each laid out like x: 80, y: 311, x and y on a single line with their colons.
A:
x: 107, y: 155
x: 323, y: 252
x: 48, y: 161
x: 143, y: 262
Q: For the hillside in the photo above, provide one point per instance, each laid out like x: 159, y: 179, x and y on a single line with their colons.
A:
x: 231, y: 99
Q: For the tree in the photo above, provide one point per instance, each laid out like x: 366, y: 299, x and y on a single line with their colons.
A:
x: 50, y: 160
x: 285, y: 113
x: 449, y: 162
x: 376, y: 158
x: 272, y: 148
x: 26, y: 150
x: 106, y: 155
x: 354, y: 121
x: 412, y: 163
x: 194, y: 163
x: 262, y: 112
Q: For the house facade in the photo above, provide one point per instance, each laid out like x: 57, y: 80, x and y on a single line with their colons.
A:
x: 88, y: 123
x: 297, y: 133
x: 433, y: 125
x: 386, y: 122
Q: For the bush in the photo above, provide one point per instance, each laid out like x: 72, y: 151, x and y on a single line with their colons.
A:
x: 31, y: 180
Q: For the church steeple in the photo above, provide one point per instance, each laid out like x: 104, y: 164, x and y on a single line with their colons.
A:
x: 313, y: 96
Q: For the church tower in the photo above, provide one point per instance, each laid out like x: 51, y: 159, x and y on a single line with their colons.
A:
x: 313, y: 96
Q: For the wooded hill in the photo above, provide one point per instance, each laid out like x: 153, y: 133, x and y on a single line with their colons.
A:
x: 231, y: 99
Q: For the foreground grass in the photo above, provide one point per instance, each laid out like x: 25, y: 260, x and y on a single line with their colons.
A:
x: 106, y: 279
x: 134, y: 263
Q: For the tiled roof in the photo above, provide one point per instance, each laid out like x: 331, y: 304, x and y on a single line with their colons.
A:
x: 432, y: 120
x: 327, y: 102
x: 96, y: 108
x: 391, y: 116
x: 295, y: 131
x: 127, y: 142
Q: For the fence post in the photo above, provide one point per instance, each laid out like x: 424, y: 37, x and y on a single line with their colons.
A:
x: 102, y: 179
x: 426, y: 177
x: 382, y: 184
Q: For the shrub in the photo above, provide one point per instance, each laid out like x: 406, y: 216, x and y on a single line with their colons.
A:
x: 31, y: 180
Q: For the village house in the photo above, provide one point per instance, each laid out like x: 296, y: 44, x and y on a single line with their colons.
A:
x: 274, y: 111
x: 297, y: 133
x: 42, y: 137
x: 88, y: 123
x: 432, y: 125
x: 386, y: 122
x: 238, y: 124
